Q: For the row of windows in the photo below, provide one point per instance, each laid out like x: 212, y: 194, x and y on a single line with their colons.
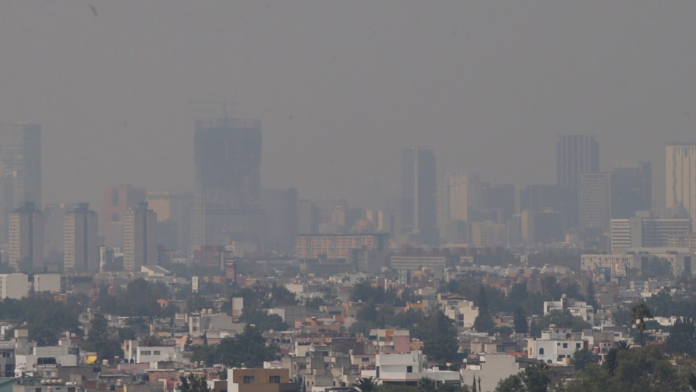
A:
x: 271, y: 379
x: 148, y: 352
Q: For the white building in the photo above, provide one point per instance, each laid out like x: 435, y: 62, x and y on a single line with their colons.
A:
x: 557, y: 352
x: 408, y: 368
x: 616, y: 264
x: 457, y: 308
x: 47, y: 282
x: 151, y: 354
x: 576, y: 308
x: 14, y: 286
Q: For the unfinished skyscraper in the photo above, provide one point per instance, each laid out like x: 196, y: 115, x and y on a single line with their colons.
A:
x: 227, y: 197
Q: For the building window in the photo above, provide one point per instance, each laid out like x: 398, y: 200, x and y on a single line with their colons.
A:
x: 248, y: 379
x: 145, y: 352
x: 274, y: 379
x: 157, y: 353
x: 541, y: 351
x: 577, y: 345
x: 565, y: 345
x: 409, y: 369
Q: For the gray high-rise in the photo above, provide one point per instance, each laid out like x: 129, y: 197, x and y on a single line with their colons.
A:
x: 20, y: 169
x: 227, y: 198
x: 418, y: 195
x: 575, y: 156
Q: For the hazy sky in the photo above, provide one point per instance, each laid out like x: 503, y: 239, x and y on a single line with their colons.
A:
x: 342, y: 86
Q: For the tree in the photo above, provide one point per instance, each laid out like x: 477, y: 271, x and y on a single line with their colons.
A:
x: 590, y: 294
x: 611, y: 362
x: 365, y: 384
x: 682, y: 337
x: 564, y: 319
x: 426, y: 385
x: 484, y: 322
x: 193, y: 383
x: 537, y: 377
x: 442, y: 348
x: 520, y: 320
x: 534, y: 330
x: 511, y: 384
x: 638, y: 315
x: 582, y: 358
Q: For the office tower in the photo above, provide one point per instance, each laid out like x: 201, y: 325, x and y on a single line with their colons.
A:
x: 465, y: 196
x: 20, y: 169
x: 575, y: 155
x: 680, y: 168
x: 383, y: 221
x: 280, y: 219
x: 488, y: 234
x: 631, y: 188
x: 497, y: 202
x: 418, y: 188
x: 595, y: 201
x: 81, y: 239
x: 307, y: 217
x: 26, y: 238
x: 54, y: 219
x: 139, y: 237
x: 541, y: 227
x: 227, y: 198
x: 117, y: 200
x: 173, y: 211
x: 645, y: 230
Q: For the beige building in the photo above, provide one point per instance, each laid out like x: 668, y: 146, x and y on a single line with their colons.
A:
x: 139, y: 237
x: 464, y: 195
x: 81, y: 243
x: 259, y: 380
x: 488, y: 234
x: 680, y: 178
x: 26, y: 237
x: 595, y: 200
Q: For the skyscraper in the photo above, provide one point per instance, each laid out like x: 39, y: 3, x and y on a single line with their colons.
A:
x: 81, y: 242
x: 595, y: 201
x: 117, y: 200
x: 280, y: 219
x: 631, y: 188
x: 173, y: 211
x: 20, y: 169
x: 139, y: 237
x: 465, y: 196
x: 418, y: 194
x: 575, y: 155
x: 26, y: 238
x: 680, y: 177
x: 227, y: 197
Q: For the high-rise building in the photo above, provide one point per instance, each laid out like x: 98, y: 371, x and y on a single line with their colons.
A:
x: 54, y: 241
x: 465, y: 196
x: 173, y: 211
x: 575, y: 155
x: 280, y: 219
x: 307, y: 217
x: 139, y: 237
x: 680, y: 177
x: 26, y: 238
x: 646, y: 231
x: 227, y: 198
x: 595, y: 201
x: 117, y: 200
x: 497, y: 202
x: 20, y: 169
x: 81, y: 239
x: 418, y: 195
x: 631, y: 188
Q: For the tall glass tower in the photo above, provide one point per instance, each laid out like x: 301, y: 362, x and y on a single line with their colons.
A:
x: 227, y: 198
x: 418, y: 195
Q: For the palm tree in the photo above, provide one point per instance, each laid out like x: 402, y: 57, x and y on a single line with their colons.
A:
x: 612, y: 360
x: 365, y: 384
x: 638, y: 315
